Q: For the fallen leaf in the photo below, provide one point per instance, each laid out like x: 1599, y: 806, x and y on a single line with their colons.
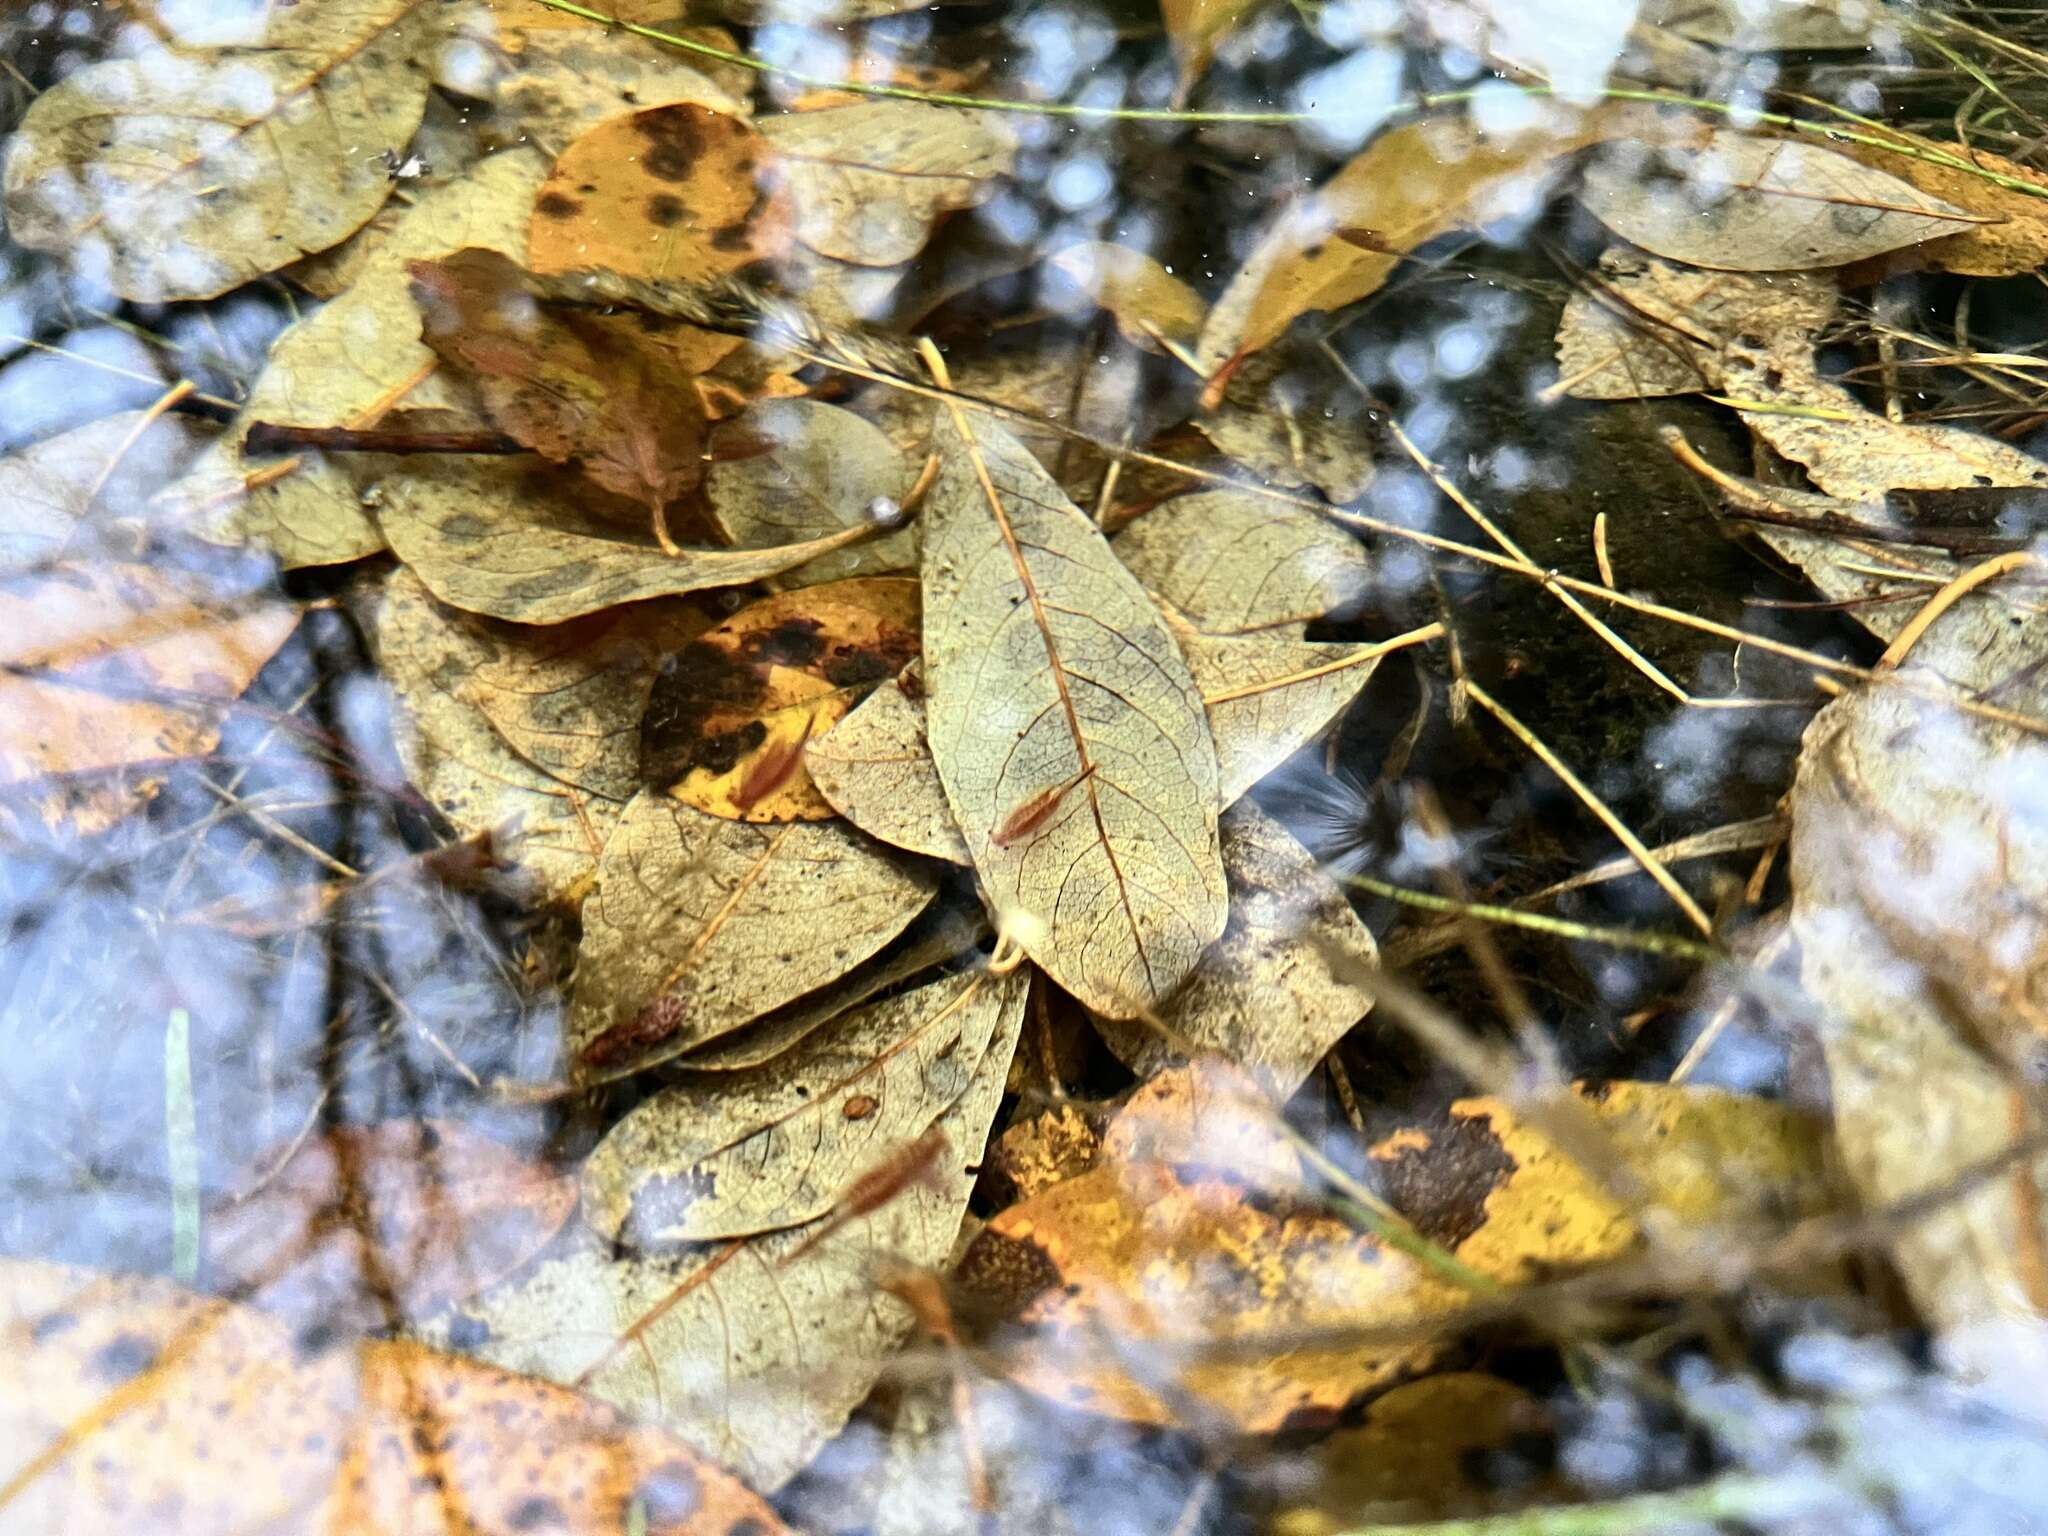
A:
x: 607, y: 393
x: 1151, y: 306
x: 462, y: 763
x: 346, y: 365
x: 1290, y: 415
x: 76, y: 495
x: 1267, y: 995
x: 1410, y: 185
x: 870, y: 182
x: 1230, y: 562
x: 875, y: 768
x: 750, y: 1152
x: 130, y: 1400
x: 700, y: 925
x: 1268, y: 695
x: 513, y: 541
x: 2011, y: 243
x: 1745, y: 203
x: 750, y: 1353
x: 1041, y: 1150
x: 677, y: 193
x: 803, y: 468
x: 1195, y: 27
x: 181, y: 174
x: 110, y: 665
x: 417, y: 1212
x: 552, y: 83
x: 1044, y: 661
x: 1776, y: 25
x: 732, y: 712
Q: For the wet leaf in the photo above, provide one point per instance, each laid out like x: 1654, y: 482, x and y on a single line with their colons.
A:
x: 753, y: 1355
x: 1149, y: 304
x: 346, y: 365
x: 513, y: 541
x: 700, y: 925
x: 180, y: 175
x: 876, y: 770
x: 426, y: 1211
x: 1267, y: 696
x: 185, y: 1414
x: 1195, y: 27
x: 733, y: 712
x: 554, y: 83
x: 1045, y: 661
x: 1411, y: 184
x: 1289, y: 415
x: 801, y: 469
x: 68, y: 496
x: 603, y: 392
x: 1267, y: 995
x: 109, y: 665
x: 1750, y: 204
x: 677, y: 193
x: 1231, y: 563
x: 750, y: 1152
x: 2013, y: 241
x: 1774, y: 26
x: 871, y: 181
x: 1042, y: 1150
x: 463, y: 764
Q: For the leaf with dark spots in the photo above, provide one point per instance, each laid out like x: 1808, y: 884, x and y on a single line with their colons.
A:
x: 1440, y: 1175
x: 553, y: 205
x: 730, y: 715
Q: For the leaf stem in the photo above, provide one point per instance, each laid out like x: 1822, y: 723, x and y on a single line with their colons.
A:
x: 1676, y: 944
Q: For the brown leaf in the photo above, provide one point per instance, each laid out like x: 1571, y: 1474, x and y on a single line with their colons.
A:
x: 429, y: 1208
x: 604, y: 392
x: 677, y: 193
x: 700, y: 925
x: 869, y: 182
x: 732, y: 712
x: 1747, y: 203
x: 1268, y: 695
x: 751, y: 1152
x: 1231, y: 563
x: 110, y: 665
x: 511, y: 540
x: 1195, y: 27
x: 557, y: 77
x: 876, y: 770
x: 1289, y: 414
x: 74, y: 494
x: 2013, y: 241
x: 131, y: 1401
x: 1273, y: 994
x: 1045, y: 662
x: 1152, y: 307
x: 753, y: 1355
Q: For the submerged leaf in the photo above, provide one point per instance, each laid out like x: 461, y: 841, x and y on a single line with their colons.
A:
x: 130, y: 1400
x: 1746, y: 203
x: 345, y: 366
x: 752, y: 1352
x: 1045, y: 663
x: 1151, y: 306
x: 700, y: 925
x: 180, y: 175
x: 508, y: 539
x: 1267, y: 696
x: 1230, y: 562
x: 1291, y: 415
x: 749, y: 1152
x: 1275, y: 993
x: 876, y: 769
x: 63, y: 496
x: 732, y: 712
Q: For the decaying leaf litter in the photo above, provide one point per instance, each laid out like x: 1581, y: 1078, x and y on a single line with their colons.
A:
x: 753, y: 728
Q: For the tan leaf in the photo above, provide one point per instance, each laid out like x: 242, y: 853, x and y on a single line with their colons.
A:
x: 1195, y: 27
x: 677, y: 193
x: 1746, y: 203
x: 108, y: 665
x: 511, y: 540
x: 700, y: 925
x: 803, y: 469
x: 871, y: 181
x: 731, y: 713
x: 1292, y: 417
x: 180, y: 175
x: 749, y: 1152
x: 346, y: 365
x: 68, y: 495
x: 753, y: 1353
x: 430, y: 1209
x: 1267, y: 995
x: 1267, y: 696
x: 552, y: 83
x: 129, y: 1400
x: 876, y: 770
x: 1775, y: 25
x: 1230, y: 562
x: 1046, y: 665
x: 462, y: 763
x: 2014, y: 240
x: 1410, y: 185
x: 1149, y: 304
